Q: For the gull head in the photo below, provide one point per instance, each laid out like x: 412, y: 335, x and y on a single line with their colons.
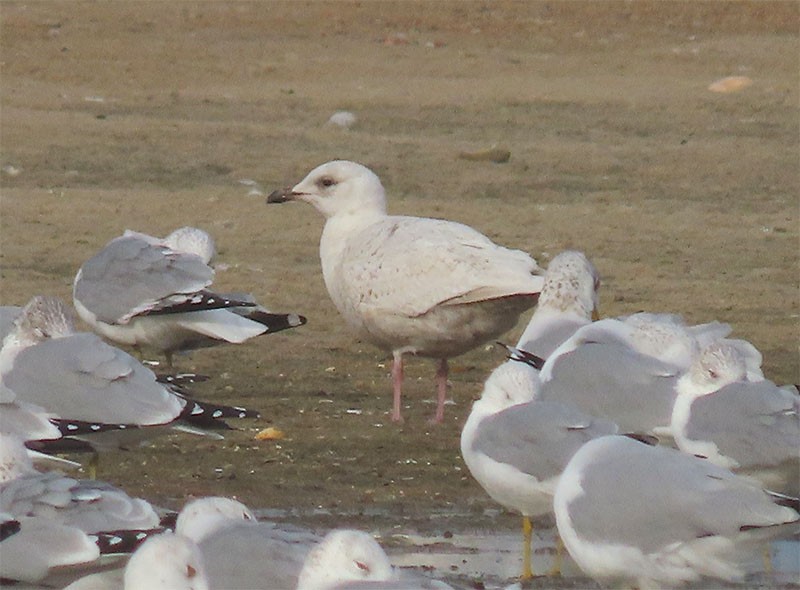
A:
x: 571, y: 283
x: 42, y: 318
x: 510, y: 384
x: 204, y: 516
x: 192, y: 240
x: 718, y: 365
x: 337, y: 188
x: 343, y: 556
x: 166, y: 561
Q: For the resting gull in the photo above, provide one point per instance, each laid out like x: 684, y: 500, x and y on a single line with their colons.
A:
x: 343, y: 556
x: 657, y: 517
x: 751, y: 428
x: 240, y: 553
x: 516, y: 447
x: 143, y: 291
x: 166, y: 562
x: 415, y: 285
x: 92, y: 506
x: 76, y: 376
x: 568, y: 301
x: 62, y: 521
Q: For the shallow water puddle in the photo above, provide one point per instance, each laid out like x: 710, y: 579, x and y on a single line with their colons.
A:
x: 483, y: 555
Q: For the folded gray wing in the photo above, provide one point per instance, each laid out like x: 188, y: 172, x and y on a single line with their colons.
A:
x: 614, y: 382
x: 538, y: 438
x: 756, y: 424
x: 244, y: 556
x: 90, y: 506
x: 81, y: 377
x: 131, y: 275
x: 652, y: 497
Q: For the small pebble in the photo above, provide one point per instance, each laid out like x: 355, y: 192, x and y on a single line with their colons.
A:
x: 344, y: 119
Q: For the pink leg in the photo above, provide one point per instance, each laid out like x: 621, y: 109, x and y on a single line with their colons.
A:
x: 441, y: 390
x: 397, y: 385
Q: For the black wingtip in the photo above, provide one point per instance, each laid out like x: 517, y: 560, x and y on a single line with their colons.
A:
x: 208, y: 415
x: 181, y: 378
x: 275, y: 322
x: 523, y: 356
x: 80, y: 427
x: 123, y: 541
x: 200, y: 301
x: 8, y: 528
x: 647, y: 439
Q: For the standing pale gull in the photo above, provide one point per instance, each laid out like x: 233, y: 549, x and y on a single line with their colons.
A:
x: 78, y: 377
x: 516, y: 447
x: 657, y: 517
x: 568, y: 301
x: 142, y: 292
x: 415, y: 285
x: 166, y: 562
x: 751, y: 428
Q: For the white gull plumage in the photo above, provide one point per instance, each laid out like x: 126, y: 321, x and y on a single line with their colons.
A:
x: 657, y: 517
x: 416, y: 285
x: 144, y: 291
x: 166, y: 562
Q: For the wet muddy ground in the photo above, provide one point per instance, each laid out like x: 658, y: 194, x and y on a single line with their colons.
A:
x: 154, y: 115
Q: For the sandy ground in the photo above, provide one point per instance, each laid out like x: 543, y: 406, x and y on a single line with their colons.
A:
x: 149, y: 115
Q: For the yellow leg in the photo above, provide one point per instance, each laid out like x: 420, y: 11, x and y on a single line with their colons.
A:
x: 768, y: 560
x: 556, y: 569
x: 527, y: 535
x: 91, y: 465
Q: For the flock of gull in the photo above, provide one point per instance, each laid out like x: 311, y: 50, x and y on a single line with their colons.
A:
x: 661, y: 449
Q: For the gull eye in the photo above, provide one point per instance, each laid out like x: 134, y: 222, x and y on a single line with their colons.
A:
x: 362, y: 566
x: 326, y: 181
x: 713, y: 374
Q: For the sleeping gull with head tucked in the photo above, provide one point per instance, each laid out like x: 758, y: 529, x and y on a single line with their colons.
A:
x: 239, y: 552
x: 415, y: 285
x: 749, y: 427
x: 166, y: 562
x: 144, y: 291
x: 657, y: 517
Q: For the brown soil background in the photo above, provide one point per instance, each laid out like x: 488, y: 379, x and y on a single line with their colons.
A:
x: 145, y: 115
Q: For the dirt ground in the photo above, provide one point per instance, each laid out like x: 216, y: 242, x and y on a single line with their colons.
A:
x: 149, y: 115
